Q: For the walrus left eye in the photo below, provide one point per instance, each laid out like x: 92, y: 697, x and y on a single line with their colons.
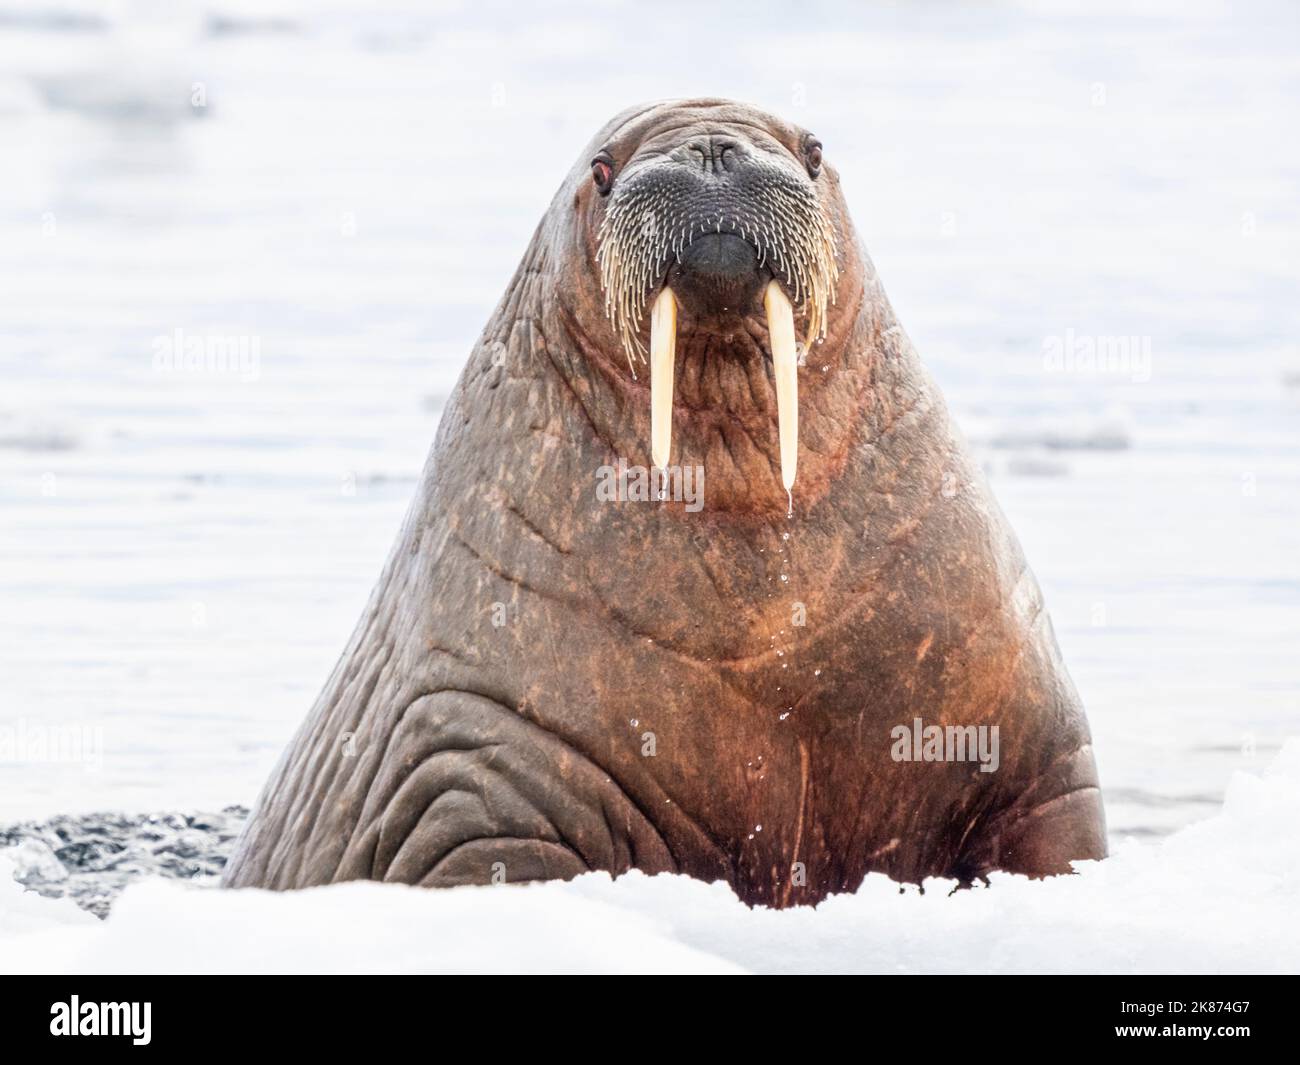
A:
x: 812, y: 154
x: 602, y: 173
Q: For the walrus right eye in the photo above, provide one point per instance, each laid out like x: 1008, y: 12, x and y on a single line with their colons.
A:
x: 812, y: 153
x: 602, y: 173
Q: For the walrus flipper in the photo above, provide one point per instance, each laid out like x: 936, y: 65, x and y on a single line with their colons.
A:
x: 492, y: 798
x: 1056, y: 823
x: 466, y: 792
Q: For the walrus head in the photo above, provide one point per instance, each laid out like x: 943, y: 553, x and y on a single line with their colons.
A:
x: 715, y: 243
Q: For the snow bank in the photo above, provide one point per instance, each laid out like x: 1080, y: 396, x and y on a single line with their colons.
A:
x: 1220, y: 896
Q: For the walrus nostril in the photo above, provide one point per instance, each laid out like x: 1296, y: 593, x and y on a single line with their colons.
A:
x: 711, y: 155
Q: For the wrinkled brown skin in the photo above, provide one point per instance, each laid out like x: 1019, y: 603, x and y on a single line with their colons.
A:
x: 448, y: 750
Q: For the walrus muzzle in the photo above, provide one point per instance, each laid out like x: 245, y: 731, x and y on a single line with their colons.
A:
x: 720, y: 228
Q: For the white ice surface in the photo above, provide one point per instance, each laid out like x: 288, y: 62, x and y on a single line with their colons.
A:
x: 1217, y: 896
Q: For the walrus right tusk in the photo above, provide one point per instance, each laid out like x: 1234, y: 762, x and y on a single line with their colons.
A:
x: 785, y: 368
x: 663, y: 350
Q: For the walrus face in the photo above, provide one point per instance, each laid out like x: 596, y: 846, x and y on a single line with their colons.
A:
x: 715, y: 218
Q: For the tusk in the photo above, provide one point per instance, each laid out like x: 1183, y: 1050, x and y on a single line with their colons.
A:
x: 785, y: 368
x: 663, y: 349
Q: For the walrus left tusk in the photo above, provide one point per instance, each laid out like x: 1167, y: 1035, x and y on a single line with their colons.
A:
x: 785, y: 368
x: 663, y: 350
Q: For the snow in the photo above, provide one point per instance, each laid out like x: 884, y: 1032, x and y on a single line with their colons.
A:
x: 1217, y: 896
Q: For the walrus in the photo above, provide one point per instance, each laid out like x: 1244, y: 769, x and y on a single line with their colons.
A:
x: 766, y: 689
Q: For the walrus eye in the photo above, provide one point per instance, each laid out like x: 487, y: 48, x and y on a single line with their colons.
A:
x: 602, y: 173
x: 812, y: 154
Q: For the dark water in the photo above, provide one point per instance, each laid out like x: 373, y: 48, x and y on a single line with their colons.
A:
x: 90, y: 858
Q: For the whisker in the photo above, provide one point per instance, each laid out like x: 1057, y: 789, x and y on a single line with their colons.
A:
x: 645, y: 229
